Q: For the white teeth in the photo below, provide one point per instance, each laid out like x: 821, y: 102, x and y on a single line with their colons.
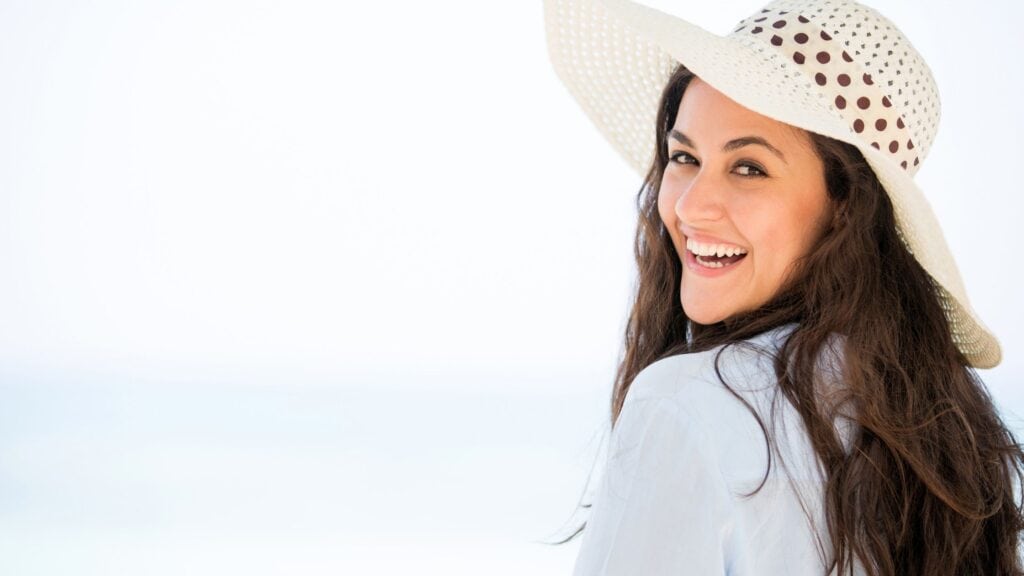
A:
x: 713, y: 249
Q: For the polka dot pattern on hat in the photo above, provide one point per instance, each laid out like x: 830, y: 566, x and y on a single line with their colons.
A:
x: 864, y: 67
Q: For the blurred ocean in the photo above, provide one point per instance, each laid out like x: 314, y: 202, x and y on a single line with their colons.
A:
x: 426, y: 474
x: 275, y: 477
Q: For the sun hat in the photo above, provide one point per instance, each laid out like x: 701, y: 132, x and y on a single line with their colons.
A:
x: 834, y: 67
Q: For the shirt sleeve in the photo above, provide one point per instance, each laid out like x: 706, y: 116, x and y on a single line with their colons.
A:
x: 662, y: 506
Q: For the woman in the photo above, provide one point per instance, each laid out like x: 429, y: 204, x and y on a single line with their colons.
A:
x: 796, y: 305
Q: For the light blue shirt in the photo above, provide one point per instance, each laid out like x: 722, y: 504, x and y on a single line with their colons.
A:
x: 680, y: 458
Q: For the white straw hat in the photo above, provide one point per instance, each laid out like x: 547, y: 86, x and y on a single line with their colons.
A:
x: 834, y: 67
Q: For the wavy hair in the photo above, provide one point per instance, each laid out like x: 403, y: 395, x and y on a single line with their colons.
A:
x: 928, y: 486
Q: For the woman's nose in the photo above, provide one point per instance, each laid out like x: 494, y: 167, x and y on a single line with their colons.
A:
x: 701, y: 199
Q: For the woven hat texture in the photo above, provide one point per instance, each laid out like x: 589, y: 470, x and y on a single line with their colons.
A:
x: 834, y: 67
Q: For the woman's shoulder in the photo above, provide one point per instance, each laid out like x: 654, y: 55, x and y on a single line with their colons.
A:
x: 747, y: 364
x: 694, y: 384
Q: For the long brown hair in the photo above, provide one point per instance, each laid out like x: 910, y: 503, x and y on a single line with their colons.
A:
x: 928, y: 487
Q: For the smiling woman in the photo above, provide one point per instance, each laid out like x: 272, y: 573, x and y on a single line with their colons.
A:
x: 796, y: 301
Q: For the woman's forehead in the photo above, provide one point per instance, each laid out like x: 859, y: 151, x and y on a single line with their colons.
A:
x: 705, y: 114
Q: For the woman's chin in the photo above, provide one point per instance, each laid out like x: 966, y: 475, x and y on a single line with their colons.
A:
x: 704, y: 316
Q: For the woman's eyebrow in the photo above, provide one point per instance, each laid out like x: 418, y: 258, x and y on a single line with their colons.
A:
x: 731, y: 145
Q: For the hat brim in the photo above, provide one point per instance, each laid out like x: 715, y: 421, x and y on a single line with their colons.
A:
x: 615, y: 56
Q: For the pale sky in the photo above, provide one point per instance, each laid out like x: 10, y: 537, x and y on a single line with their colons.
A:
x: 194, y: 187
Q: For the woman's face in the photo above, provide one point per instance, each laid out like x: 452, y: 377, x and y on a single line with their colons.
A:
x: 743, y: 196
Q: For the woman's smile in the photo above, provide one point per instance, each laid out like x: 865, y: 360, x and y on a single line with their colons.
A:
x: 712, y: 259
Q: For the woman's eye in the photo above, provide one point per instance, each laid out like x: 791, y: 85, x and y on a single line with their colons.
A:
x: 749, y: 170
x: 682, y: 158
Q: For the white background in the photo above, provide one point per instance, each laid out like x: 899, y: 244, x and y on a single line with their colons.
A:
x: 311, y: 287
